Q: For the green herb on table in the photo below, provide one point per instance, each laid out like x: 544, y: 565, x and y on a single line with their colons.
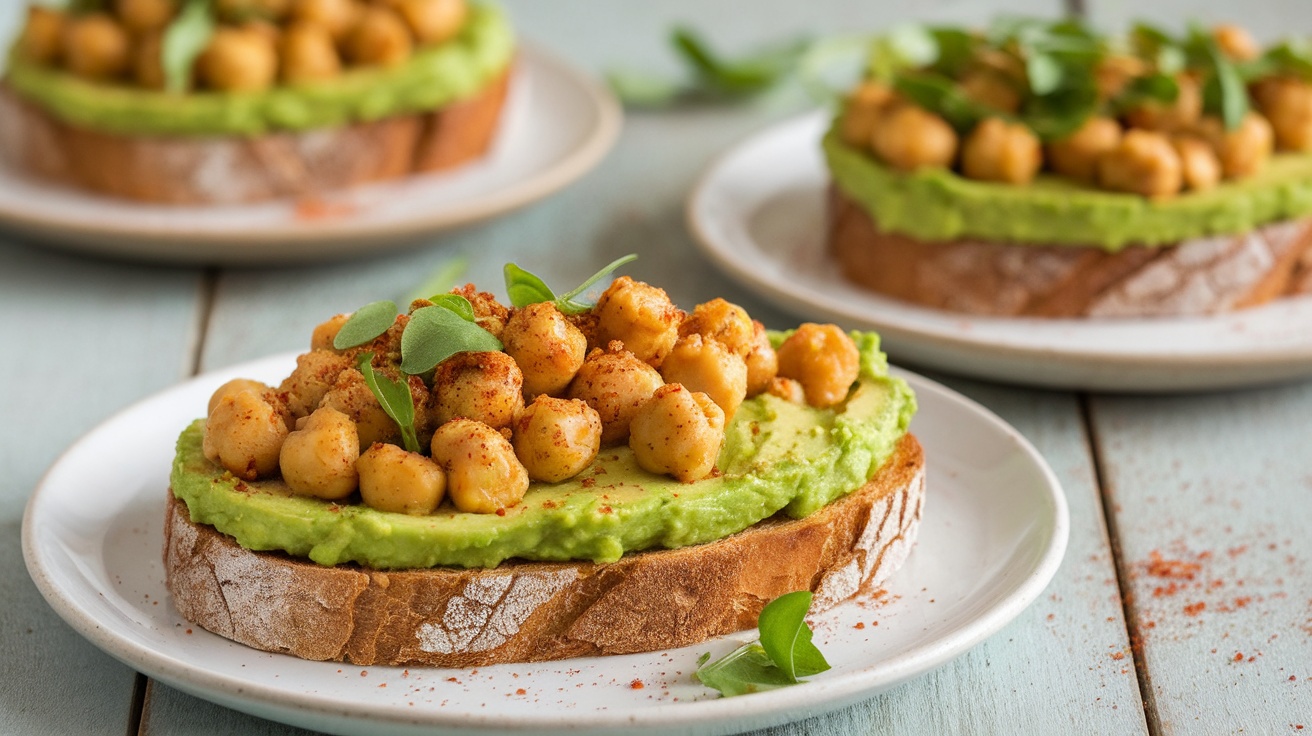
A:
x: 184, y: 40
x: 783, y: 654
x: 525, y: 288
x: 395, y: 398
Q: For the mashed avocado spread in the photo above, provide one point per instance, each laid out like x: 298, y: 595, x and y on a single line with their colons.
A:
x: 937, y: 204
x: 777, y: 456
x: 434, y: 77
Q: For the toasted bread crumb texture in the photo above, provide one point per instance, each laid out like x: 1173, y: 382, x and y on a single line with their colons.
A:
x: 526, y: 611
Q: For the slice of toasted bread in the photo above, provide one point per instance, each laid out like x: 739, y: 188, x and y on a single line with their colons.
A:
x: 233, y: 169
x: 1196, y: 277
x: 530, y: 611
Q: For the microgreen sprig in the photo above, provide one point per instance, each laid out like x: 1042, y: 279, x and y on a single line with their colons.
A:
x: 184, y: 39
x: 435, y: 333
x: 525, y: 288
x: 365, y: 324
x: 395, y: 398
x: 783, y: 654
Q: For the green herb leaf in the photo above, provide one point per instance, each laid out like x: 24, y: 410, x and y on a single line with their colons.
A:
x: 565, y: 302
x: 1162, y: 88
x: 456, y: 303
x: 747, y: 669
x: 743, y: 76
x: 184, y: 40
x: 905, y: 46
x: 441, y: 280
x: 956, y: 50
x: 640, y: 89
x: 395, y: 398
x: 1044, y: 72
x: 1293, y: 55
x: 525, y: 288
x: 786, y: 637
x: 365, y: 324
x: 434, y: 334
x: 940, y: 95
x: 1061, y: 113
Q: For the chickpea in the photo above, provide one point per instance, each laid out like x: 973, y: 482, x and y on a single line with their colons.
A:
x: 868, y: 102
x: 1114, y: 72
x: 1076, y: 155
x: 240, y: 11
x: 1000, y: 151
x: 379, y: 37
x: 308, y: 55
x: 234, y: 386
x: 433, y: 21
x: 823, y: 359
x: 483, y: 475
x: 762, y: 361
x: 244, y: 434
x: 708, y: 367
x: 490, y: 314
x: 547, y: 347
x: 325, y: 332
x: 393, y: 479
x: 1244, y: 150
x: 556, y: 439
x: 147, y: 61
x: 484, y: 386
x: 615, y: 383
x: 678, y: 432
x: 338, y: 17
x: 315, y: 374
x: 351, y: 396
x: 639, y: 315
x: 1171, y: 116
x: 96, y: 47
x: 1287, y: 103
x: 318, y: 460
x: 787, y: 389
x: 910, y: 137
x: 42, y: 37
x: 1236, y: 42
x: 141, y: 16
x: 238, y: 60
x: 1198, y: 162
x: 723, y: 322
x: 991, y: 89
x: 1144, y: 162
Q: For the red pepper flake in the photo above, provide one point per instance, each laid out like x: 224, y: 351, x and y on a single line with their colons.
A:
x: 501, y: 512
x: 605, y: 510
x: 588, y: 482
x: 1160, y: 567
x: 549, y: 504
x: 521, y: 691
x: 1236, y: 551
x: 599, y: 470
x: 1244, y: 601
x: 364, y: 673
x: 1193, y: 609
x: 452, y: 679
x: 1239, y: 656
x: 636, y: 684
x: 382, y: 684
x: 1118, y: 656
x: 1293, y: 678
x: 188, y: 631
x: 859, y: 625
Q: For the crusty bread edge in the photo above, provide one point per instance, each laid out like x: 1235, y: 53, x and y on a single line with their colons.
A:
x: 530, y: 611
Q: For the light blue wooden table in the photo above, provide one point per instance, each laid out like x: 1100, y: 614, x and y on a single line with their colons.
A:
x: 1224, y: 480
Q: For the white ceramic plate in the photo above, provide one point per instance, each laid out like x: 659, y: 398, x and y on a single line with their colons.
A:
x: 993, y: 534
x: 759, y: 213
x: 557, y: 124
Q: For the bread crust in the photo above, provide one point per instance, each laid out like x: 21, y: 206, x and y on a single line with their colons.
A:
x: 1196, y: 277
x: 531, y: 611
x: 235, y: 169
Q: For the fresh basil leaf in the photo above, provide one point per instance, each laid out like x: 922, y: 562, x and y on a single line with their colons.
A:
x: 434, y: 334
x: 365, y: 324
x: 942, y: 96
x: 747, y: 669
x: 1061, y: 113
x: 456, y: 303
x: 1159, y: 88
x: 1044, y: 72
x: 787, y: 639
x: 184, y: 39
x: 441, y: 280
x: 1224, y: 93
x: 1293, y: 55
x: 744, y: 76
x: 395, y: 398
x: 956, y: 50
x: 525, y: 288
x: 565, y: 302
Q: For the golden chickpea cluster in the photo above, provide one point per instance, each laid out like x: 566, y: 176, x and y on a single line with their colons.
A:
x: 1152, y: 149
x: 635, y: 371
x: 256, y: 45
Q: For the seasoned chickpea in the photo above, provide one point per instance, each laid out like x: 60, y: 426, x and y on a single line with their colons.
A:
x: 240, y: 11
x: 1244, y: 150
x: 823, y: 359
x: 238, y: 60
x: 1236, y: 42
x: 678, y: 432
x: 556, y: 439
x: 909, y: 137
x: 762, y: 361
x: 95, y: 46
x: 308, y: 55
x: 992, y: 89
x: 490, y: 314
x: 483, y: 475
x: 639, y: 315
x: 244, y: 433
x: 723, y: 322
x: 316, y: 372
x: 787, y: 389
x: 351, y: 396
x: 1198, y: 162
x: 141, y: 16
x: 997, y: 150
x: 615, y: 383
x: 42, y: 37
x: 433, y: 21
x: 1171, y: 116
x: 234, y: 386
x: 337, y: 17
x: 1076, y: 155
x: 379, y: 37
x: 318, y: 459
x: 708, y: 367
x: 484, y: 386
x: 1114, y: 72
x: 1287, y: 104
x: 548, y: 348
x: 868, y: 102
x: 393, y: 479
x: 1144, y: 162
x: 147, y: 62
x: 325, y: 332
